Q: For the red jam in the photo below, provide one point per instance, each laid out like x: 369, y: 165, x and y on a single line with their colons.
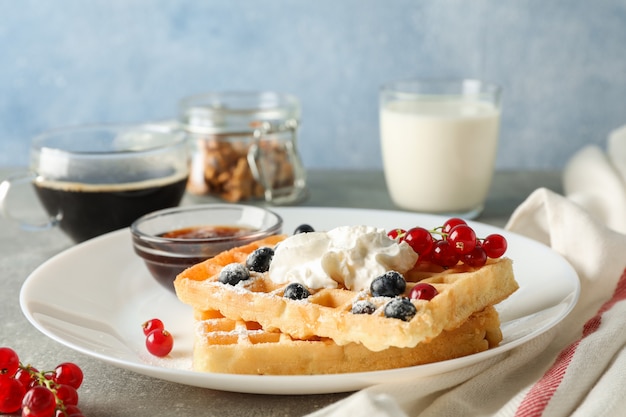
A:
x: 207, y: 232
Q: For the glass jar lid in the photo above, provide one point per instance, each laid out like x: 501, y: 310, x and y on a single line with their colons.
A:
x: 238, y: 112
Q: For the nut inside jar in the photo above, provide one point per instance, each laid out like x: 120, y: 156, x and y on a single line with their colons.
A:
x: 221, y: 166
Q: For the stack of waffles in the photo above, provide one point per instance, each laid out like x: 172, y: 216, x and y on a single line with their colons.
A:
x: 251, y: 328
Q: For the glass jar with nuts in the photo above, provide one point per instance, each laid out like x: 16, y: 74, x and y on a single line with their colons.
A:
x: 245, y: 146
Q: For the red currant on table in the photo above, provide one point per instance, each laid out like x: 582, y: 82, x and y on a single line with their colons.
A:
x: 9, y: 362
x: 423, y: 291
x: 69, y: 374
x: 160, y: 342
x: 38, y: 394
x: 67, y: 394
x: 152, y: 324
x: 27, y: 376
x: 11, y: 393
x: 39, y: 401
x: 69, y: 411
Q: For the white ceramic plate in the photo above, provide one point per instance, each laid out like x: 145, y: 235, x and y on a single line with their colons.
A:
x: 94, y: 297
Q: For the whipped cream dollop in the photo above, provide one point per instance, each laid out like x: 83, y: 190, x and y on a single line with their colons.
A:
x: 352, y: 256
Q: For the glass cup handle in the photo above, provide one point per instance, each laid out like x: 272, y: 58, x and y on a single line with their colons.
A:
x: 283, y: 195
x: 6, y: 187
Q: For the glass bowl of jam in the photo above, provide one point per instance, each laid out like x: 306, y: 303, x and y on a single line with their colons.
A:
x: 172, y: 240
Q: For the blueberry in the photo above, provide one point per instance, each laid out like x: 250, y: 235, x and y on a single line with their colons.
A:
x: 400, y: 308
x: 363, y: 307
x: 389, y: 284
x: 260, y: 259
x: 233, y: 273
x: 303, y: 228
x: 296, y: 291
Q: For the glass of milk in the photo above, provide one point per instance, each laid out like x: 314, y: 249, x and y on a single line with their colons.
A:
x: 439, y: 141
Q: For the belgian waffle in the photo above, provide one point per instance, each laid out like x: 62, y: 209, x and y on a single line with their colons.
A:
x: 223, y: 345
x: 327, y: 312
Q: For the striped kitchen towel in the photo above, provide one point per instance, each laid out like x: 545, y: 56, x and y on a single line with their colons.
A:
x: 578, y: 368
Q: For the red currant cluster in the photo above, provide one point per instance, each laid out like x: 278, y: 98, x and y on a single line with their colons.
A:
x: 451, y: 243
x: 159, y: 341
x: 38, y: 393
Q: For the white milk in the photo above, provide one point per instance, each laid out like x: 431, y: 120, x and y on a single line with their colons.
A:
x: 439, y: 154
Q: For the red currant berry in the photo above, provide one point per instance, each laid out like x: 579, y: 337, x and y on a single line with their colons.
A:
x: 69, y: 411
x: 49, y: 376
x: 152, y: 324
x: 450, y: 223
x: 420, y: 240
x: 443, y: 254
x: 495, y: 245
x: 423, y: 291
x: 9, y: 362
x: 11, y: 394
x: 67, y: 394
x: 68, y: 373
x: 425, y: 258
x: 39, y: 401
x: 476, y: 258
x: 396, y: 234
x: 160, y: 342
x: 26, y: 376
x: 462, y: 238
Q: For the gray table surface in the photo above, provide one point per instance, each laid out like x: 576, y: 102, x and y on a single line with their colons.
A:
x: 111, y: 391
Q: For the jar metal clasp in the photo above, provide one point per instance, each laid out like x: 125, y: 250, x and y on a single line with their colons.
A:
x: 275, y: 163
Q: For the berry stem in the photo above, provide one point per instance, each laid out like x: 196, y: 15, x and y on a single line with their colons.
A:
x: 40, y: 377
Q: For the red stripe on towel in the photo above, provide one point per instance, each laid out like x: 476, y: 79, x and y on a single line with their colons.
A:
x: 537, y: 399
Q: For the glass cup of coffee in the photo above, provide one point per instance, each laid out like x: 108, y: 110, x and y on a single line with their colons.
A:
x: 96, y: 179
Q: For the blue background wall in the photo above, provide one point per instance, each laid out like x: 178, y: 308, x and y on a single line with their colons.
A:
x: 562, y: 65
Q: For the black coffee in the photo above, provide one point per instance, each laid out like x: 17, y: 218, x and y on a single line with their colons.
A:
x: 88, y: 210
